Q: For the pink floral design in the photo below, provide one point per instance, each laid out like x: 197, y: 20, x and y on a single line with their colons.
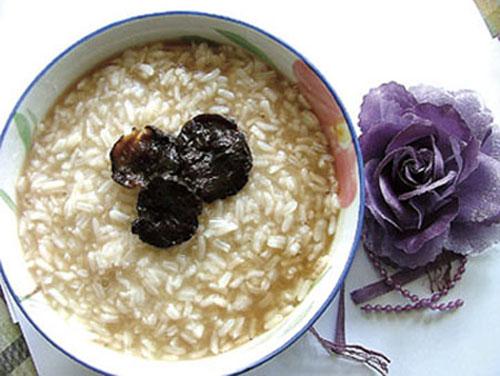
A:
x: 334, y: 127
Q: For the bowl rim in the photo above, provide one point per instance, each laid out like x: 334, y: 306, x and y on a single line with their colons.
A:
x: 284, y: 45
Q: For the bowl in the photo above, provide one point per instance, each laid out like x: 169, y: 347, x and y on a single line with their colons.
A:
x: 69, y: 336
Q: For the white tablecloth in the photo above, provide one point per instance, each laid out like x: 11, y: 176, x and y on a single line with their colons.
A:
x: 357, y: 45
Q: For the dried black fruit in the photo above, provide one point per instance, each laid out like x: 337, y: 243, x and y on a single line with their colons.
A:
x: 142, y: 154
x: 168, y: 212
x: 215, y: 157
x: 209, y: 160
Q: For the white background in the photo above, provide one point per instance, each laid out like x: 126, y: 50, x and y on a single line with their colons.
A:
x: 356, y: 45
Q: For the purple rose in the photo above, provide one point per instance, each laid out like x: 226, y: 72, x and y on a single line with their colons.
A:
x: 432, y: 166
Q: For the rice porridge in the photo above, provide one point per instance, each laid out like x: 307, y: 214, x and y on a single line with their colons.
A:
x: 254, y: 256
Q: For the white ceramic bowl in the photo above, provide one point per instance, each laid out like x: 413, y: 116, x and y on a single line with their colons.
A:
x: 70, y: 337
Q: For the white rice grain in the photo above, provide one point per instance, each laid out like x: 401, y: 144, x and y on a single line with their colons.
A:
x: 226, y: 94
x: 241, y: 303
x: 277, y: 241
x: 172, y: 312
x: 119, y: 216
x: 219, y: 226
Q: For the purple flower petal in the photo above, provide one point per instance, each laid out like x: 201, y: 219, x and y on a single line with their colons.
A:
x: 410, y: 134
x: 472, y: 238
x: 431, y: 94
x: 422, y: 204
x: 413, y: 243
x: 419, y: 209
x: 428, y: 187
x: 427, y: 203
x: 454, y: 163
x: 382, y: 244
x: 407, y: 175
x: 470, y: 159
x: 479, y: 195
x: 373, y: 234
x: 403, y: 214
x: 466, y: 102
x: 392, y: 155
x: 447, y: 120
x: 473, y: 111
x: 438, y: 160
x: 376, y: 138
x: 491, y: 145
x: 426, y: 254
x: 374, y: 200
x: 399, y: 169
x: 384, y: 104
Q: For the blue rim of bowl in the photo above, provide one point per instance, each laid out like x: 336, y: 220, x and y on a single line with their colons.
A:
x: 359, y: 158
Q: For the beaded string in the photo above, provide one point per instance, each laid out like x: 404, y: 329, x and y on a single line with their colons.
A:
x: 416, y: 302
x: 373, y: 359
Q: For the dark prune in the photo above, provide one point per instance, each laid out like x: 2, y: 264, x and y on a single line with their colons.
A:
x: 209, y: 160
x: 215, y: 157
x: 168, y: 212
x: 142, y: 154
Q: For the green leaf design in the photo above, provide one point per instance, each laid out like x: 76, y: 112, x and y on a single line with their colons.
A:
x: 6, y: 198
x: 244, y: 43
x: 31, y: 294
x: 196, y: 39
x: 24, y: 129
x: 34, y: 120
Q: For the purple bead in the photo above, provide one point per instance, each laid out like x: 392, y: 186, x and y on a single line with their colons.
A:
x: 367, y: 308
x: 408, y: 307
x: 435, y: 297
